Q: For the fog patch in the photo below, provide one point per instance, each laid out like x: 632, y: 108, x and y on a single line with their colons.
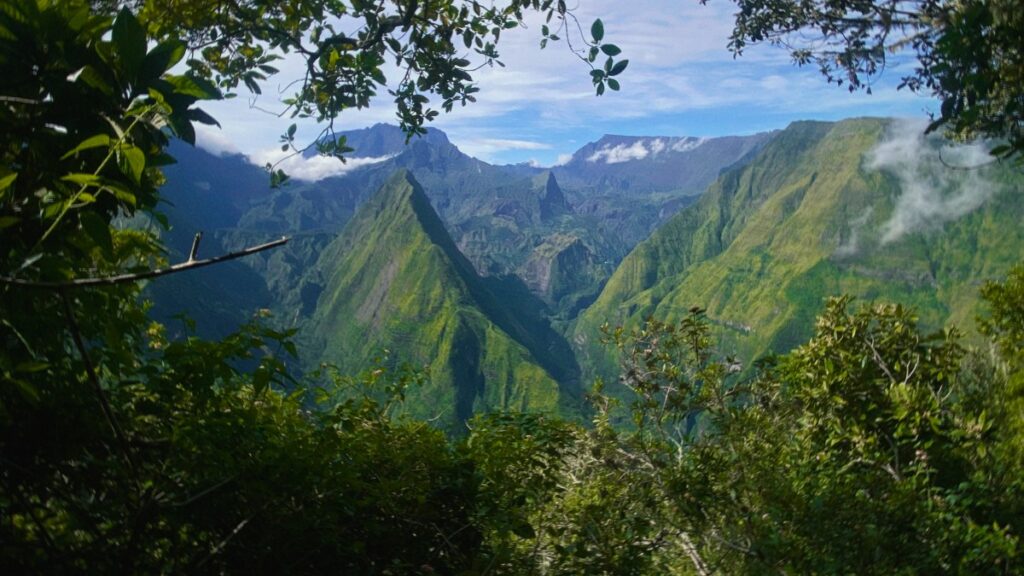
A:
x: 934, y: 187
x: 851, y: 246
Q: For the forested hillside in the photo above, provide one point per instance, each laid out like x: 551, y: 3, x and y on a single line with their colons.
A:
x: 818, y: 213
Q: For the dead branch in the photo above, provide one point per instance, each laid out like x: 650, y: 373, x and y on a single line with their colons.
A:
x: 135, y: 277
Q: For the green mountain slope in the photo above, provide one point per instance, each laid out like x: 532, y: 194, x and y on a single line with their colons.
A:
x: 394, y: 279
x: 812, y: 216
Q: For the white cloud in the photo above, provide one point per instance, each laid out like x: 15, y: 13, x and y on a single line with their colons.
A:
x: 562, y: 160
x: 487, y: 148
x: 641, y: 149
x: 506, y: 144
x: 932, y: 191
x: 313, y: 168
x: 214, y: 140
x: 687, y: 144
x: 620, y: 153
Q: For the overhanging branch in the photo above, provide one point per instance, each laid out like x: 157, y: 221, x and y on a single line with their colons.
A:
x: 189, y: 264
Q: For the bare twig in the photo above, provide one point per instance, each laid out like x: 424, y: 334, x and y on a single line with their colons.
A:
x: 127, y: 278
x: 195, y: 247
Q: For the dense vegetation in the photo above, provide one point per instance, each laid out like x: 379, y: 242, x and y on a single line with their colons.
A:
x: 871, y: 448
x: 966, y: 54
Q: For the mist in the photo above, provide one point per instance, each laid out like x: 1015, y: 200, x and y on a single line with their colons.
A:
x: 938, y: 183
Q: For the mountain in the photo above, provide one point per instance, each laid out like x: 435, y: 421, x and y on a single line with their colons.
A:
x: 395, y: 280
x: 862, y: 207
x: 561, y: 242
x: 382, y: 140
x: 634, y: 166
x: 480, y: 272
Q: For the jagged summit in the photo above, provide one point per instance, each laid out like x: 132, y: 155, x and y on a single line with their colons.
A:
x: 551, y: 200
x: 395, y: 280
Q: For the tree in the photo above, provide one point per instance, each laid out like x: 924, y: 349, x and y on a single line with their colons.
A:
x: 348, y: 49
x: 969, y: 54
x: 121, y: 451
x: 871, y: 449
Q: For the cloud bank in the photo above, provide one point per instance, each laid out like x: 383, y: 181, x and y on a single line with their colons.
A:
x: 314, y: 168
x: 934, y: 187
x: 620, y: 153
x: 641, y: 149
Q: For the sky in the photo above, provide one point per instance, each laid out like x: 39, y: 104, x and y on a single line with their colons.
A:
x: 681, y: 81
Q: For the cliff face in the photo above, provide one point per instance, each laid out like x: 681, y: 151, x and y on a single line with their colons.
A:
x: 559, y: 267
x: 809, y: 217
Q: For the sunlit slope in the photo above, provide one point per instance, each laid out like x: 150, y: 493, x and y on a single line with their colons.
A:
x: 395, y: 280
x: 812, y: 216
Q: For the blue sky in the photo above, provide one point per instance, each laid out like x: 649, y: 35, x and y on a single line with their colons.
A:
x: 681, y: 81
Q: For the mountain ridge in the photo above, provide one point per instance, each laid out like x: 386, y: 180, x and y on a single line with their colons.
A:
x: 764, y: 247
x: 479, y: 354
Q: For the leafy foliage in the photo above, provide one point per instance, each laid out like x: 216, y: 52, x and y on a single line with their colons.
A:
x: 347, y: 47
x: 968, y: 53
x: 873, y: 448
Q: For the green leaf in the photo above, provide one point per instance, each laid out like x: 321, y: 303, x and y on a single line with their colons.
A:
x: 27, y: 390
x: 6, y: 181
x: 132, y: 162
x: 613, y: 84
x: 120, y: 193
x: 618, y: 68
x: 92, y: 78
x: 199, y: 115
x: 97, y: 141
x: 611, y: 50
x: 81, y: 179
x: 183, y: 128
x: 198, y: 88
x: 129, y: 41
x: 31, y: 366
x: 597, y: 30
x: 1000, y: 150
x: 98, y: 230
x: 161, y: 59
x: 8, y: 221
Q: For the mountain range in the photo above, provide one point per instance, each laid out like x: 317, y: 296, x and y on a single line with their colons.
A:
x: 498, y: 278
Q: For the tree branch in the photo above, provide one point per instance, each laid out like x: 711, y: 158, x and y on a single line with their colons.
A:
x: 135, y: 277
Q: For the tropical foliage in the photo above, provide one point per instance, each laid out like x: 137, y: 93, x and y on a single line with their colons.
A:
x: 872, y: 448
x: 967, y: 54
